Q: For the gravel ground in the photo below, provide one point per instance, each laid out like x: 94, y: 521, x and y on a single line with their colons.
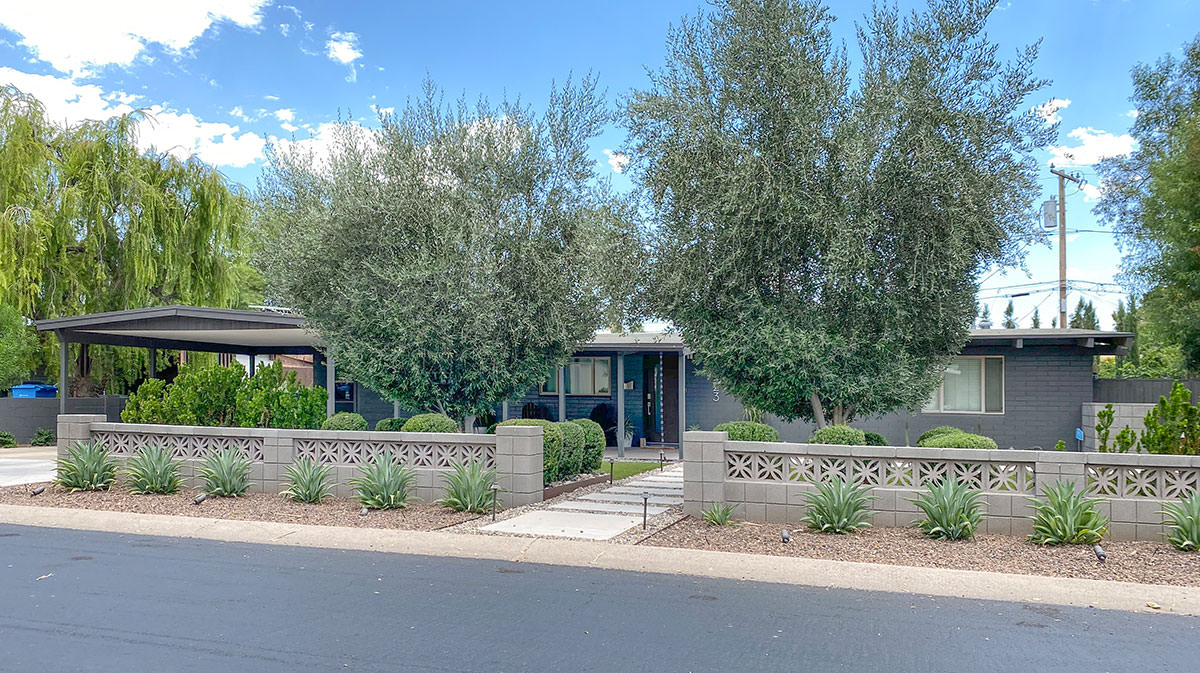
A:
x: 1142, y: 561
x: 253, y: 507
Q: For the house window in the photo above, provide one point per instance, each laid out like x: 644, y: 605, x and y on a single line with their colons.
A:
x: 970, y: 385
x: 583, y: 376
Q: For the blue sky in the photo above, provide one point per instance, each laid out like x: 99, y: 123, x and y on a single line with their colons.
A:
x: 225, y: 77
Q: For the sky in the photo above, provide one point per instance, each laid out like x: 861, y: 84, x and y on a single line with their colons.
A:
x: 225, y: 79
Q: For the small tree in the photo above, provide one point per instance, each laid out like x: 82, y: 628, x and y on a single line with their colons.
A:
x: 1009, y: 322
x: 1036, y: 322
x: 1084, y: 316
x: 18, y: 346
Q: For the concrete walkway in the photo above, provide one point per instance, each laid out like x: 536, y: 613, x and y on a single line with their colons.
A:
x: 26, y: 465
x: 603, y: 515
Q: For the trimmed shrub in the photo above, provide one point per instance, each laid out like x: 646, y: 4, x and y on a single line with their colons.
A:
x: 226, y: 474
x: 951, y: 510
x: 204, y: 395
x: 959, y: 440
x: 146, y: 404
x: 44, y: 437
x: 430, y: 423
x: 153, y: 470
x: 593, y: 444
x: 7, y: 441
x: 1066, y: 517
x: 717, y: 514
x: 936, y: 432
x: 345, y: 420
x: 876, y: 439
x: 390, y: 424
x: 748, y: 431
x: 837, y: 507
x: 552, y: 443
x: 1183, y: 523
x: 839, y: 434
x: 469, y: 488
x: 88, y: 467
x: 570, y: 462
x: 275, y: 399
x: 308, y: 481
x: 385, y: 483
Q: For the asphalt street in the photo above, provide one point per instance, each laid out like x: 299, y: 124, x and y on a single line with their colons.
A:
x: 88, y: 601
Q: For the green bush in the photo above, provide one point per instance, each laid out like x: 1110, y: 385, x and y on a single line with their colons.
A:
x: 570, y: 461
x: 837, y: 507
x: 345, y: 420
x: 153, y: 469
x: 88, y: 467
x: 275, y: 399
x: 430, y: 423
x: 44, y: 437
x: 839, y: 434
x: 875, y: 439
x: 593, y: 444
x: 552, y: 443
x: 385, y: 483
x: 7, y: 441
x: 469, y: 488
x: 204, y: 395
x: 1183, y: 523
x: 390, y: 424
x: 935, y: 432
x: 951, y: 510
x: 959, y: 440
x: 1173, y: 425
x: 718, y: 514
x: 748, y: 431
x: 147, y: 403
x: 225, y: 473
x: 1066, y: 517
x: 308, y: 481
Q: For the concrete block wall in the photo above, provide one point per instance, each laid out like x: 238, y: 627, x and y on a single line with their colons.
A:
x: 515, y: 452
x: 1125, y: 414
x: 767, y: 481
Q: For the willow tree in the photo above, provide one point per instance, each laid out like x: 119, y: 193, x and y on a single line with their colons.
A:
x: 452, y: 257
x: 819, y: 233
x: 90, y: 223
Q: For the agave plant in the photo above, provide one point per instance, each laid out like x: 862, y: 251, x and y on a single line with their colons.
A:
x: 951, y: 510
x: 152, y: 469
x: 1183, y: 523
x: 1066, y: 517
x: 225, y: 473
x: 718, y: 514
x: 838, y: 506
x: 385, y: 483
x: 88, y: 467
x: 469, y: 487
x: 308, y: 481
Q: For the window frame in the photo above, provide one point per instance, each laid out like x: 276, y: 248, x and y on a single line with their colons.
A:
x: 983, y: 385
x: 543, y: 390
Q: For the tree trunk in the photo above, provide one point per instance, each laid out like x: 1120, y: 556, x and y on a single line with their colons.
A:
x: 818, y: 410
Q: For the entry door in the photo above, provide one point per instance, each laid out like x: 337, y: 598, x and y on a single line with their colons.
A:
x: 670, y: 398
x: 650, y: 401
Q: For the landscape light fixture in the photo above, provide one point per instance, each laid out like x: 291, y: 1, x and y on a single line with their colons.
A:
x: 611, y: 462
x: 645, y: 506
x: 200, y: 498
x: 495, y: 492
x: 364, y: 511
x: 38, y: 491
x: 1099, y: 552
x: 785, y: 536
x: 662, y: 458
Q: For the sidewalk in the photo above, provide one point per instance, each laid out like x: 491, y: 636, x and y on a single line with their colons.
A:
x: 26, y: 465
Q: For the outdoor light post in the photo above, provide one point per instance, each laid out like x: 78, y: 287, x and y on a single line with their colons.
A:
x: 611, y: 470
x: 495, y: 492
x: 645, y: 506
x: 662, y: 458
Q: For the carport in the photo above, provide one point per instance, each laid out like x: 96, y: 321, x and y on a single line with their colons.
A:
x: 190, y: 328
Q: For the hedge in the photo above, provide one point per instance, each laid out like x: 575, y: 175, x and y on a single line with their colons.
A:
x: 345, y: 420
x: 839, y: 434
x: 936, y: 432
x: 430, y: 423
x: 960, y: 440
x: 748, y: 431
x: 570, y: 463
x: 390, y: 424
x: 552, y: 442
x: 593, y: 444
x: 876, y: 439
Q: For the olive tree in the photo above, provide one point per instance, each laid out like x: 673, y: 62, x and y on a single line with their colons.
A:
x: 453, y: 256
x: 819, y: 232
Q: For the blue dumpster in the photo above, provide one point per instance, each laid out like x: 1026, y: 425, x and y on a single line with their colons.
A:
x: 31, y: 390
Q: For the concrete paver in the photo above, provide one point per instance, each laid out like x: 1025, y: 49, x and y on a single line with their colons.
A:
x: 609, y: 507
x: 16, y: 471
x: 557, y: 523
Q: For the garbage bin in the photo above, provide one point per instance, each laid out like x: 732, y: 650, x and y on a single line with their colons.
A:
x: 32, y: 390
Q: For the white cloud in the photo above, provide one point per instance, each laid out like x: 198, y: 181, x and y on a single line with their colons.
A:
x: 343, y: 47
x: 284, y: 28
x: 285, y: 114
x: 320, y: 142
x: 382, y: 110
x: 238, y: 112
x: 1093, y: 146
x: 1132, y: 114
x: 270, y: 97
x: 617, y: 160
x: 1091, y: 192
x: 290, y: 128
x: 182, y: 134
x: 1049, y: 110
x: 114, y: 33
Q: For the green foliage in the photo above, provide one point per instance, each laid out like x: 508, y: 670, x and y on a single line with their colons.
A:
x: 798, y: 273
x: 1126, y: 440
x: 345, y: 420
x: 469, y: 487
x: 390, y: 424
x: 204, y: 395
x: 44, y: 437
x: 838, y: 506
x: 936, y: 432
x: 308, y: 481
x: 570, y: 462
x: 225, y: 473
x: 18, y: 345
x: 1104, y: 421
x: 1084, y: 316
x: 718, y: 514
x: 753, y: 415
x: 1060, y: 445
x: 1173, y: 425
x: 153, y: 469
x: 959, y: 440
x: 7, y: 441
x: 875, y: 439
x: 951, y: 510
x: 385, y: 483
x: 552, y: 445
x: 430, y: 423
x: 839, y: 434
x: 593, y: 444
x: 147, y: 404
x: 1009, y: 322
x: 88, y: 467
x: 474, y: 247
x: 273, y: 399
x: 1183, y: 523
x: 1066, y: 517
x: 748, y: 431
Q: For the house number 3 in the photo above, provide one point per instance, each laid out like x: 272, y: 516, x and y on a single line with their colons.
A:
x: 716, y: 394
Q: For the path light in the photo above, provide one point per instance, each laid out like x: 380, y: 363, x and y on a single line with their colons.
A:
x: 645, y: 506
x: 364, y: 511
x: 1099, y: 551
x: 662, y: 458
x: 785, y: 536
x: 200, y: 498
x: 611, y: 470
x: 38, y: 491
x: 495, y: 492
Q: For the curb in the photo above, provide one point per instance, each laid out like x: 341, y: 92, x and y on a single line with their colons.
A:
x: 1106, y: 595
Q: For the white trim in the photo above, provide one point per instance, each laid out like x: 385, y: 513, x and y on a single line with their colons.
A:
x: 982, y: 389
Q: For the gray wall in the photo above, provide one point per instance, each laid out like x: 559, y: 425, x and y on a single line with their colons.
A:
x: 1138, y: 391
x: 23, y: 417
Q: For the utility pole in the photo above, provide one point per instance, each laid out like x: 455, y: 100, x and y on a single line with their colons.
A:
x: 1062, y: 240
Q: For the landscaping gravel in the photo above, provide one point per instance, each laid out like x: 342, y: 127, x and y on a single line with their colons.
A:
x: 1128, y: 561
x: 252, y: 507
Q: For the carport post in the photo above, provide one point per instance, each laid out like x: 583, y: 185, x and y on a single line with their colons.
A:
x: 153, y: 362
x: 620, y: 405
x: 504, y: 411
x: 330, y: 385
x: 62, y: 373
x: 562, y: 394
x: 682, y: 399
x: 252, y: 359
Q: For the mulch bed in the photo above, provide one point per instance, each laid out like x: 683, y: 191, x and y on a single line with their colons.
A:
x: 1141, y: 561
x: 252, y: 507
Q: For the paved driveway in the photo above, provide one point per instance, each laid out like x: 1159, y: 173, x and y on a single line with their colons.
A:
x: 26, y: 465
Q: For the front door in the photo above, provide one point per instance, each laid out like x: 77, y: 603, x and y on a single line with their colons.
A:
x: 650, y: 399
